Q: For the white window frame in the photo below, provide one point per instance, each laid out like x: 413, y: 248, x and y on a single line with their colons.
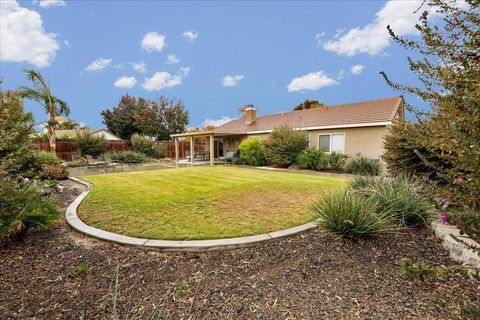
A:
x: 330, y: 146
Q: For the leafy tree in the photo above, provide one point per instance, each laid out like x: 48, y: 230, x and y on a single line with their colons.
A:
x: 163, y: 118
x: 15, y: 127
x: 151, y: 118
x: 41, y: 93
x: 121, y: 120
x: 309, y: 104
x: 449, y: 72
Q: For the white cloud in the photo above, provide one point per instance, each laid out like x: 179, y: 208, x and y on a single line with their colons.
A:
x: 139, y: 66
x: 125, y: 82
x: 99, y: 64
x: 374, y: 38
x: 216, y: 122
x: 190, y: 35
x: 311, y: 81
x: 319, y: 36
x: 22, y: 37
x: 66, y: 43
x: 162, y: 80
x: 153, y: 41
x: 357, y: 69
x: 231, y: 81
x: 49, y: 3
x: 172, y: 59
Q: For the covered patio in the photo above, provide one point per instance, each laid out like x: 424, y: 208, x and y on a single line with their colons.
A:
x: 218, y: 145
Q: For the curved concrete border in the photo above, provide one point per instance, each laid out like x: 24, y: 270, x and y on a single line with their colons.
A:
x: 170, y: 245
x: 460, y: 252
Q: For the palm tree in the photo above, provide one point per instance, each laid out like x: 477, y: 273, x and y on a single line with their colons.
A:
x: 53, y: 106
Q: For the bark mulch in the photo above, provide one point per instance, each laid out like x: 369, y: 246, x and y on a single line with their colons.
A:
x: 314, y: 275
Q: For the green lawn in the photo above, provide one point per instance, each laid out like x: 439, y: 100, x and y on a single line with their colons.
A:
x: 201, y: 202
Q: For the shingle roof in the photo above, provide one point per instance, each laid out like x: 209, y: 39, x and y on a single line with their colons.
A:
x: 372, y: 111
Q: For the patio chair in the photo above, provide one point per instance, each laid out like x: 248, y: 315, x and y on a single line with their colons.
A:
x: 91, y: 162
x: 107, y: 157
x: 228, y: 156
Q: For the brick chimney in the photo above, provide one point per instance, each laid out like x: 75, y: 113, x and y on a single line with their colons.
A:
x: 250, y: 114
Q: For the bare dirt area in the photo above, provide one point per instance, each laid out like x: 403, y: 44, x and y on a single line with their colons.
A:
x: 310, y: 276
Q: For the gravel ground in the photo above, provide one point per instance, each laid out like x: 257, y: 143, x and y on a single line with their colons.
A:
x: 310, y: 276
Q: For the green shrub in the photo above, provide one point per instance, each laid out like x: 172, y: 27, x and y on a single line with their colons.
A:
x: 23, y: 205
x: 49, y: 158
x: 252, y: 151
x: 399, y: 195
x: 283, y: 146
x: 141, y: 143
x: 336, y: 160
x: 16, y: 125
x: 468, y: 222
x: 362, y: 165
x: 237, y: 160
x: 406, y: 152
x: 158, y: 152
x: 91, y: 145
x: 147, y: 146
x: 312, y: 159
x: 128, y: 157
x: 46, y: 165
x: 351, y: 215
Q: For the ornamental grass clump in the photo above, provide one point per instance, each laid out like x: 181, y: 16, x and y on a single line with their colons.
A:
x: 351, y: 215
x: 23, y: 205
x: 399, y: 195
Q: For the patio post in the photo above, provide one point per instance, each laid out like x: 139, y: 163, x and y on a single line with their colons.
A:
x: 192, y: 151
x: 176, y: 151
x: 212, y: 154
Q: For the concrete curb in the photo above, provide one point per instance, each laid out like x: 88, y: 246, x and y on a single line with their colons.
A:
x: 170, y: 245
x: 458, y: 251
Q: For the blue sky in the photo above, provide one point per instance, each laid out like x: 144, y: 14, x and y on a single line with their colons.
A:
x: 222, y: 54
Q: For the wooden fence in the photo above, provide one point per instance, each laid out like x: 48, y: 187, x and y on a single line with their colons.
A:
x: 68, y: 150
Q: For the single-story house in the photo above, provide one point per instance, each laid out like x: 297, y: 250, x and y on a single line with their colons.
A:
x: 70, y: 134
x: 355, y: 129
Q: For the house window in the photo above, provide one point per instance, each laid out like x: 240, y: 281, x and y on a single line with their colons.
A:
x: 332, y: 142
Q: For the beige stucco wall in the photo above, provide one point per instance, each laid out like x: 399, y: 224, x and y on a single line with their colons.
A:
x: 366, y: 141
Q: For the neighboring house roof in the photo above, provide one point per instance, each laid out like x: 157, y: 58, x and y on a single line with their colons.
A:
x: 365, y: 113
x: 106, y: 134
x: 60, y: 134
x: 66, y: 133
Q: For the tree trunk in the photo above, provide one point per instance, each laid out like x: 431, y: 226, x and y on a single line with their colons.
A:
x: 52, y: 141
